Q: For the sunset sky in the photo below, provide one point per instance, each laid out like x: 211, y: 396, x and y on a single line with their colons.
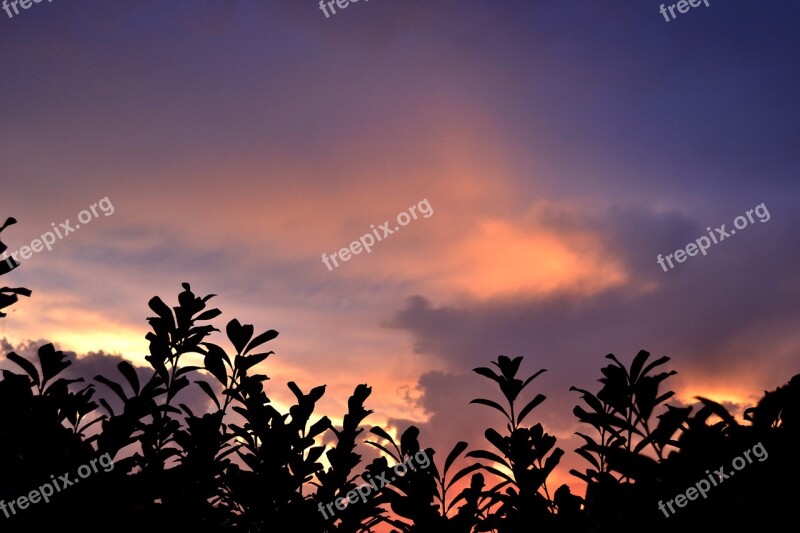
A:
x: 561, y: 146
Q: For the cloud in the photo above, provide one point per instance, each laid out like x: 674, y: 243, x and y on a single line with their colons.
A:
x: 716, y: 316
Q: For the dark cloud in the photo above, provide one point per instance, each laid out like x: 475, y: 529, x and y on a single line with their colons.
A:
x: 717, y: 315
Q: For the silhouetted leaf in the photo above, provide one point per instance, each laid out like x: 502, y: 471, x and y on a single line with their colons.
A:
x: 531, y: 378
x: 531, y: 405
x: 590, y: 399
x: 379, y: 431
x: 463, y: 472
x: 454, y: 453
x: 208, y: 315
x: 487, y: 372
x: 589, y: 457
x: 657, y: 362
x: 213, y: 363
x: 217, y: 351
x: 318, y: 427
x: 498, y: 473
x: 551, y: 462
x: 384, y: 449
x: 619, y: 365
x: 718, y: 410
x: 580, y: 475
x: 186, y: 369
x: 509, y: 367
x: 26, y: 365
x: 489, y: 456
x: 129, y: 372
x: 112, y: 385
x: 261, y: 339
x: 664, y: 397
x: 105, y: 404
x: 51, y: 361
x: 177, y: 385
x: 245, y: 362
x: 492, y: 404
x: 409, y: 441
x: 210, y: 392
x: 161, y: 309
x: 632, y: 465
x: 239, y: 335
x: 589, y: 440
x: 638, y: 363
x: 497, y: 440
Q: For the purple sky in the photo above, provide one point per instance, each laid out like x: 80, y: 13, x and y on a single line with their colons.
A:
x: 561, y: 146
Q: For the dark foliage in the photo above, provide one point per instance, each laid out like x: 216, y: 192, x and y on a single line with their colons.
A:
x: 245, y: 466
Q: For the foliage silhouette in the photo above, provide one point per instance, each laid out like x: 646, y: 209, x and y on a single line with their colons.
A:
x: 523, y: 453
x: 8, y: 295
x: 245, y: 466
x: 633, y: 467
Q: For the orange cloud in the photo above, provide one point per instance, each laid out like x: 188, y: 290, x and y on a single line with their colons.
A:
x: 503, y: 258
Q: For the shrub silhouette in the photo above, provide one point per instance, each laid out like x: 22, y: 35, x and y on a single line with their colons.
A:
x: 633, y: 467
x: 523, y: 452
x: 8, y: 295
x: 245, y: 466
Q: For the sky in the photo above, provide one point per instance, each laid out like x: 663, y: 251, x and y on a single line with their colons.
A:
x: 551, y: 150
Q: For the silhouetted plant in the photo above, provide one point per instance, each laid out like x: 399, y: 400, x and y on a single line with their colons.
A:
x: 8, y: 295
x: 622, y: 410
x: 620, y: 414
x: 339, y: 479
x: 45, y: 422
x: 411, y: 497
x: 420, y: 497
x: 471, y: 510
x: 244, y: 466
x: 523, y: 456
x: 778, y: 409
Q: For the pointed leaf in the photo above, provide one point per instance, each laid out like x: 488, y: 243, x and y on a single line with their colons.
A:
x: 464, y: 472
x: 454, y: 453
x: 26, y: 365
x: 208, y: 315
x: 161, y: 309
x: 491, y: 404
x: 487, y: 372
x: 638, y: 363
x: 657, y: 362
x: 531, y: 406
x: 261, y: 339
x: 383, y: 448
x: 116, y: 387
x: 589, y: 457
x: 489, y: 456
x: 379, y: 431
x: 213, y: 363
x: 210, y: 392
x: 527, y: 381
x: 498, y: 473
x: 127, y: 370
